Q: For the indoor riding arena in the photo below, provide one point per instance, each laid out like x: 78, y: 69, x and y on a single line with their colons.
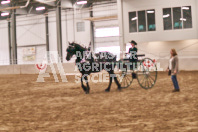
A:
x: 98, y: 65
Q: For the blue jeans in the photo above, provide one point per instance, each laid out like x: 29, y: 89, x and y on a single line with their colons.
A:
x: 175, y: 83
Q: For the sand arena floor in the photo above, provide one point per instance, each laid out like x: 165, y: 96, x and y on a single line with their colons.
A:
x: 26, y: 105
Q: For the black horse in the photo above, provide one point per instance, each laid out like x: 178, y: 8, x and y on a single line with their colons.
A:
x: 87, y: 64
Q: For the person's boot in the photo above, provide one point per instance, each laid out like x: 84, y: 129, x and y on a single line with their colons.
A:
x: 176, y: 90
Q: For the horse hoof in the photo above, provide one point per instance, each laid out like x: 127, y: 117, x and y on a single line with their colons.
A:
x: 119, y: 88
x: 87, y: 92
x: 107, y: 90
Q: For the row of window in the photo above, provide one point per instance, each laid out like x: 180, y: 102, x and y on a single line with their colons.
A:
x: 140, y: 19
x: 173, y: 18
x: 177, y: 18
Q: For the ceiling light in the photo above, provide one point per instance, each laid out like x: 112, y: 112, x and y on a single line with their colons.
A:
x: 82, y: 2
x: 5, y: 14
x: 165, y: 16
x: 45, y: 1
x: 40, y: 8
x: 133, y: 19
x: 185, y: 8
x: 5, y: 2
x: 150, y: 11
x: 182, y: 19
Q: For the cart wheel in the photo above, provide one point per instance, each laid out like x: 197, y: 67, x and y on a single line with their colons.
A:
x: 125, y: 78
x: 147, y: 73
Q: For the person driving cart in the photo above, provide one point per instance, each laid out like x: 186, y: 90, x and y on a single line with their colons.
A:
x: 133, y: 53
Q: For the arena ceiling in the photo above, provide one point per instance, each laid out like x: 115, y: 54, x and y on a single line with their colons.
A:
x: 24, y: 7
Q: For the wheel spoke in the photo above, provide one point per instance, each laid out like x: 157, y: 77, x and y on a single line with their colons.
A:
x: 121, y: 80
x: 152, y: 73
x: 140, y: 79
x: 150, y: 82
x: 126, y: 80
x: 143, y: 80
x: 147, y: 83
x: 152, y: 78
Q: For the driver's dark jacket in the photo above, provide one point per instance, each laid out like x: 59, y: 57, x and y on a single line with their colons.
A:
x: 133, y: 54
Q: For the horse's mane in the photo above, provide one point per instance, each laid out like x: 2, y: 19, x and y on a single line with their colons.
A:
x: 80, y: 46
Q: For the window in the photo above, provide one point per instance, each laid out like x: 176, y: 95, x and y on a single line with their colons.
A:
x: 187, y: 18
x: 167, y: 15
x: 80, y: 26
x: 151, y: 20
x: 182, y: 18
x: 142, y: 21
x: 132, y: 22
x: 107, y: 32
x: 177, y: 22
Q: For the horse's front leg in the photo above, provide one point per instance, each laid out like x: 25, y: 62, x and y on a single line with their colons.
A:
x: 87, y: 90
x: 82, y: 85
x: 110, y: 82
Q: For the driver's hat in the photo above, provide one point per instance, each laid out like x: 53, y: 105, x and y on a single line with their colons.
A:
x: 133, y: 42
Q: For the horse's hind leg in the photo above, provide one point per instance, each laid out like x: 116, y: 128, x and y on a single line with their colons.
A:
x: 110, y: 82
x: 116, y: 80
x: 82, y: 85
x: 87, y: 90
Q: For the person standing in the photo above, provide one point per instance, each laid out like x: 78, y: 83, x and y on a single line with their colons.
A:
x: 173, y: 69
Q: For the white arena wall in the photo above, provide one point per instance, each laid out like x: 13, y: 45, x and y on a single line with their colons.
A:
x: 156, y: 45
x: 69, y: 68
x: 187, y: 52
x: 4, y: 44
x: 197, y: 15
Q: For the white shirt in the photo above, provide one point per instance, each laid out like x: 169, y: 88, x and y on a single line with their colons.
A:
x: 170, y: 63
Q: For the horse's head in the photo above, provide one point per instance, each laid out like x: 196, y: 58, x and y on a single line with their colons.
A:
x: 71, y: 50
